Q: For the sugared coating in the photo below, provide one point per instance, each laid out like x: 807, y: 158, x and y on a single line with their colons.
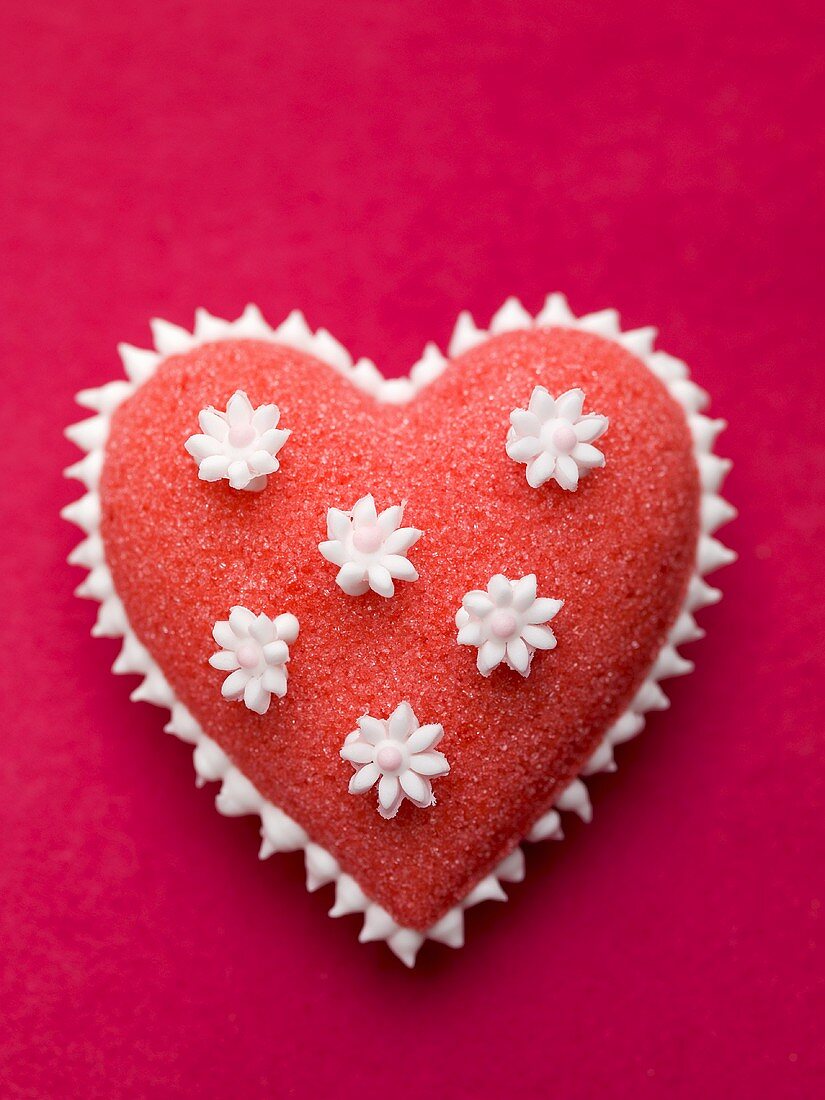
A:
x: 618, y: 551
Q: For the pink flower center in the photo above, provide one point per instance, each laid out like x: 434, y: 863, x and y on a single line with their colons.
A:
x: 368, y: 538
x: 241, y: 435
x: 247, y: 655
x: 564, y: 438
x: 503, y: 623
x: 388, y: 758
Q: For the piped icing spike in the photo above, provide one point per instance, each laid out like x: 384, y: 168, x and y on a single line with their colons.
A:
x: 715, y: 512
x: 349, y: 897
x: 405, y: 944
x: 554, y: 439
x: 87, y: 470
x: 507, y: 623
x: 705, y: 431
x: 430, y: 366
x: 626, y: 727
x: 556, y: 312
x: 182, y: 724
x: 209, y: 328
x: 331, y: 351
x: 700, y: 594
x: 398, y: 391
x: 171, y: 339
x: 111, y: 619
x: 548, y: 827
x: 138, y: 363
x: 399, y: 755
x: 638, y: 341
x: 251, y: 324
x: 685, y: 630
x: 711, y: 554
x: 649, y: 697
x: 667, y: 368
x: 450, y: 929
x: 88, y: 553
x: 512, y: 868
x: 321, y: 867
x: 295, y: 332
x: 98, y: 585
x: 211, y: 762
x: 105, y: 399
x: 378, y: 925
x: 254, y: 651
x: 239, y: 445
x: 154, y: 689
x: 692, y: 397
x: 575, y: 799
x: 369, y: 548
x: 510, y: 318
x: 465, y: 335
x: 237, y: 797
x: 601, y: 760
x: 133, y: 659
x: 670, y: 663
x: 367, y: 377
x: 89, y: 434
x: 279, y: 833
x: 84, y: 513
x: 489, y: 889
x: 712, y: 471
x: 604, y: 322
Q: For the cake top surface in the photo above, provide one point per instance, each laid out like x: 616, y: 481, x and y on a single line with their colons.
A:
x: 618, y: 551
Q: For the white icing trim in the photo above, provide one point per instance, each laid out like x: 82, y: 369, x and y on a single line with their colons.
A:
x: 237, y: 795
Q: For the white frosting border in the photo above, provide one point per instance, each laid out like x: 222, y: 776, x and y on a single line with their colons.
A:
x: 237, y: 795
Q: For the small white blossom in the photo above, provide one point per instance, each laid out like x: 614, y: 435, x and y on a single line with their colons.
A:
x: 254, y: 651
x: 369, y: 548
x: 554, y: 439
x: 399, y: 755
x: 240, y: 444
x: 507, y: 623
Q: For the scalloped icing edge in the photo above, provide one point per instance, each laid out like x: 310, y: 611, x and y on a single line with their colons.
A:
x: 238, y: 796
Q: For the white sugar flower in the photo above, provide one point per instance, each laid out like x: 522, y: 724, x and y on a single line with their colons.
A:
x: 240, y: 444
x: 399, y: 755
x: 507, y: 623
x: 254, y: 651
x: 555, y: 439
x: 369, y: 549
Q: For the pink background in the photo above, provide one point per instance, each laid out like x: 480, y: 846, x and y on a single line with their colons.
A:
x: 382, y: 167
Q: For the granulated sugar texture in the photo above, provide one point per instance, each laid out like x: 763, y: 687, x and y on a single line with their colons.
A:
x: 618, y: 551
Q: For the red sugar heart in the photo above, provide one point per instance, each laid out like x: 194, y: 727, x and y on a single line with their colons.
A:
x: 619, y: 551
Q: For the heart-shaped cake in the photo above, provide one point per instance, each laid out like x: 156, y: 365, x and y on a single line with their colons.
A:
x: 400, y: 619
